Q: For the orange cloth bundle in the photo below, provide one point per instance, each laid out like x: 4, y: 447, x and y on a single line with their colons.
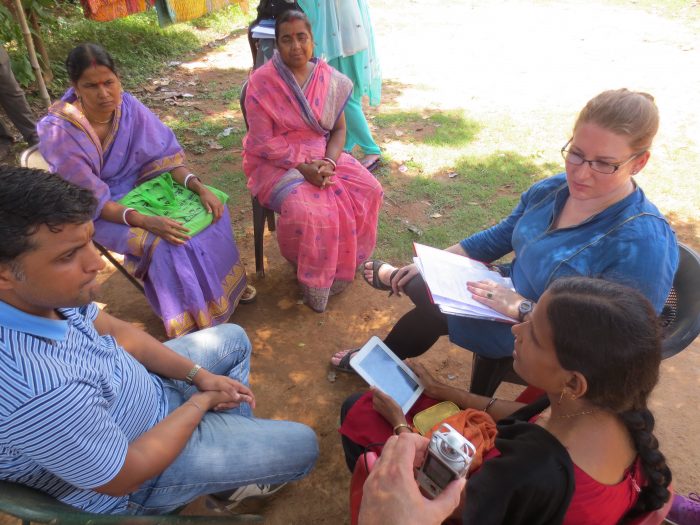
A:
x: 475, y: 425
x: 106, y: 10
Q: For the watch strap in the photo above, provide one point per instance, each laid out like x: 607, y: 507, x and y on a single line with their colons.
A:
x: 189, y: 378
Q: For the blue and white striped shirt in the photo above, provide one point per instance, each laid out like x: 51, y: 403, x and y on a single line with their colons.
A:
x: 71, y: 401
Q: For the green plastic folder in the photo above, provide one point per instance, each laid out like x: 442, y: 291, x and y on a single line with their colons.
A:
x: 163, y: 197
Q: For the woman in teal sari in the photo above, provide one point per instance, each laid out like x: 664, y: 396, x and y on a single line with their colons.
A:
x: 344, y: 38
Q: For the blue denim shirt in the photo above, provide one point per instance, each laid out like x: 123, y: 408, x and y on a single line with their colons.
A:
x: 629, y: 242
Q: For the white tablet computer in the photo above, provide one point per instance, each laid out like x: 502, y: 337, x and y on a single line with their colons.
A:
x: 381, y: 368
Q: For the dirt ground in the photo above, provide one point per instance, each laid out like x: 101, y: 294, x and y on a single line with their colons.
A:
x: 504, y: 54
x: 292, y: 344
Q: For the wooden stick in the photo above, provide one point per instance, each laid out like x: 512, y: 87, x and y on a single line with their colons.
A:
x: 40, y: 47
x: 32, y: 53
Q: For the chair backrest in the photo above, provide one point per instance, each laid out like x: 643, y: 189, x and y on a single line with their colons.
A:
x: 244, y: 89
x: 31, y: 505
x: 32, y: 158
x: 363, y: 466
x: 655, y: 517
x: 684, y: 324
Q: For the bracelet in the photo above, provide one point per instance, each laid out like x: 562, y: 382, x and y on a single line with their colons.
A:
x: 187, y: 179
x: 124, y: 213
x: 400, y: 426
x: 189, y: 378
x: 195, y: 404
x: 328, y: 159
x: 491, y: 402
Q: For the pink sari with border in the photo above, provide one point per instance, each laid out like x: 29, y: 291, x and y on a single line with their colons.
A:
x: 326, y: 233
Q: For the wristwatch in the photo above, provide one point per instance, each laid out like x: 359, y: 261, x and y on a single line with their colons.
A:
x: 524, y: 308
x: 189, y: 378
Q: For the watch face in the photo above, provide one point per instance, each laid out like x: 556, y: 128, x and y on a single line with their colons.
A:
x: 524, y: 308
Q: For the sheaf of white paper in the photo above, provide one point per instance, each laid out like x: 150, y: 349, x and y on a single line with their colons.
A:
x: 446, y: 275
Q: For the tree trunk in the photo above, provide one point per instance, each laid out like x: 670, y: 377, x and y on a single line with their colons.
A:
x: 41, y: 48
x: 19, y: 11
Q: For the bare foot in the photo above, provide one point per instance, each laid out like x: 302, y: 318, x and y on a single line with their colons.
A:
x: 384, y: 272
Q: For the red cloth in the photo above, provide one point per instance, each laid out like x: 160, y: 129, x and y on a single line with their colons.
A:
x: 594, y: 502
x: 106, y: 10
x: 364, y: 425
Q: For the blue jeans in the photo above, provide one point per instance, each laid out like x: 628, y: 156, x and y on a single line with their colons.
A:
x: 228, y: 449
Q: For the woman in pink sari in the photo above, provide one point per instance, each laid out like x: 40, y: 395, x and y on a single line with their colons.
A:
x: 328, y: 204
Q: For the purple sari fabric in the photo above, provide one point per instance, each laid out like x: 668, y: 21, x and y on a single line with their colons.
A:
x: 191, y: 286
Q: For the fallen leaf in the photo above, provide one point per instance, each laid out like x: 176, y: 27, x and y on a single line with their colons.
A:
x: 301, y: 344
x: 436, y: 216
x: 452, y: 174
x: 214, y: 145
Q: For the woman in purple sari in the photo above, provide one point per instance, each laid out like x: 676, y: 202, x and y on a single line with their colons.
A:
x: 328, y: 203
x: 103, y: 139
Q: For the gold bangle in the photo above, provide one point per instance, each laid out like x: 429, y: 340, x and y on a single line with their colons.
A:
x: 491, y: 402
x: 400, y: 426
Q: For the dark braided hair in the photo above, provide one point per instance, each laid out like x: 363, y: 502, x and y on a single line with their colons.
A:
x: 609, y: 333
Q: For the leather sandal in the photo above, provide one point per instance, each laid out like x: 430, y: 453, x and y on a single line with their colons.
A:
x: 344, y: 363
x: 376, y: 282
x: 249, y: 295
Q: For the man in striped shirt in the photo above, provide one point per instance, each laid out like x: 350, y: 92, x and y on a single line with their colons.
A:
x: 96, y: 412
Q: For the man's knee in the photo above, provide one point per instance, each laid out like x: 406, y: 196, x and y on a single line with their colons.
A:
x: 305, y: 445
x: 231, y: 335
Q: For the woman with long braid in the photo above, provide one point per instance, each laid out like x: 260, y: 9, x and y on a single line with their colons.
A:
x: 583, y: 454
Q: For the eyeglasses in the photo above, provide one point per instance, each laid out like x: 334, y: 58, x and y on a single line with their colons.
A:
x: 600, y: 166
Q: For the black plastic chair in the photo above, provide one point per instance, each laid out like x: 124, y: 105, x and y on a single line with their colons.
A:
x: 261, y: 214
x: 680, y: 320
x: 33, y: 506
x: 32, y: 158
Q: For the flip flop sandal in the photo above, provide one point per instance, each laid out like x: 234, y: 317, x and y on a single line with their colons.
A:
x: 249, y: 295
x: 374, y: 165
x: 344, y: 363
x: 376, y: 283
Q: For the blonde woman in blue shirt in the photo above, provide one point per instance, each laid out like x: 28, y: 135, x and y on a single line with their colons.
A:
x: 592, y: 220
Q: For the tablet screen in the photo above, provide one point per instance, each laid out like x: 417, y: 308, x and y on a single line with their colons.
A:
x: 390, y: 378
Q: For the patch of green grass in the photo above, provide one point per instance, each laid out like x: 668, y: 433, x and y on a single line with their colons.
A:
x: 483, y: 192
x: 233, y: 182
x: 235, y: 139
x: 196, y: 131
x: 449, y: 128
x: 233, y: 94
x: 138, y: 45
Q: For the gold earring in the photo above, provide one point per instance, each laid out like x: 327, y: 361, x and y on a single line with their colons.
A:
x: 561, y: 397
